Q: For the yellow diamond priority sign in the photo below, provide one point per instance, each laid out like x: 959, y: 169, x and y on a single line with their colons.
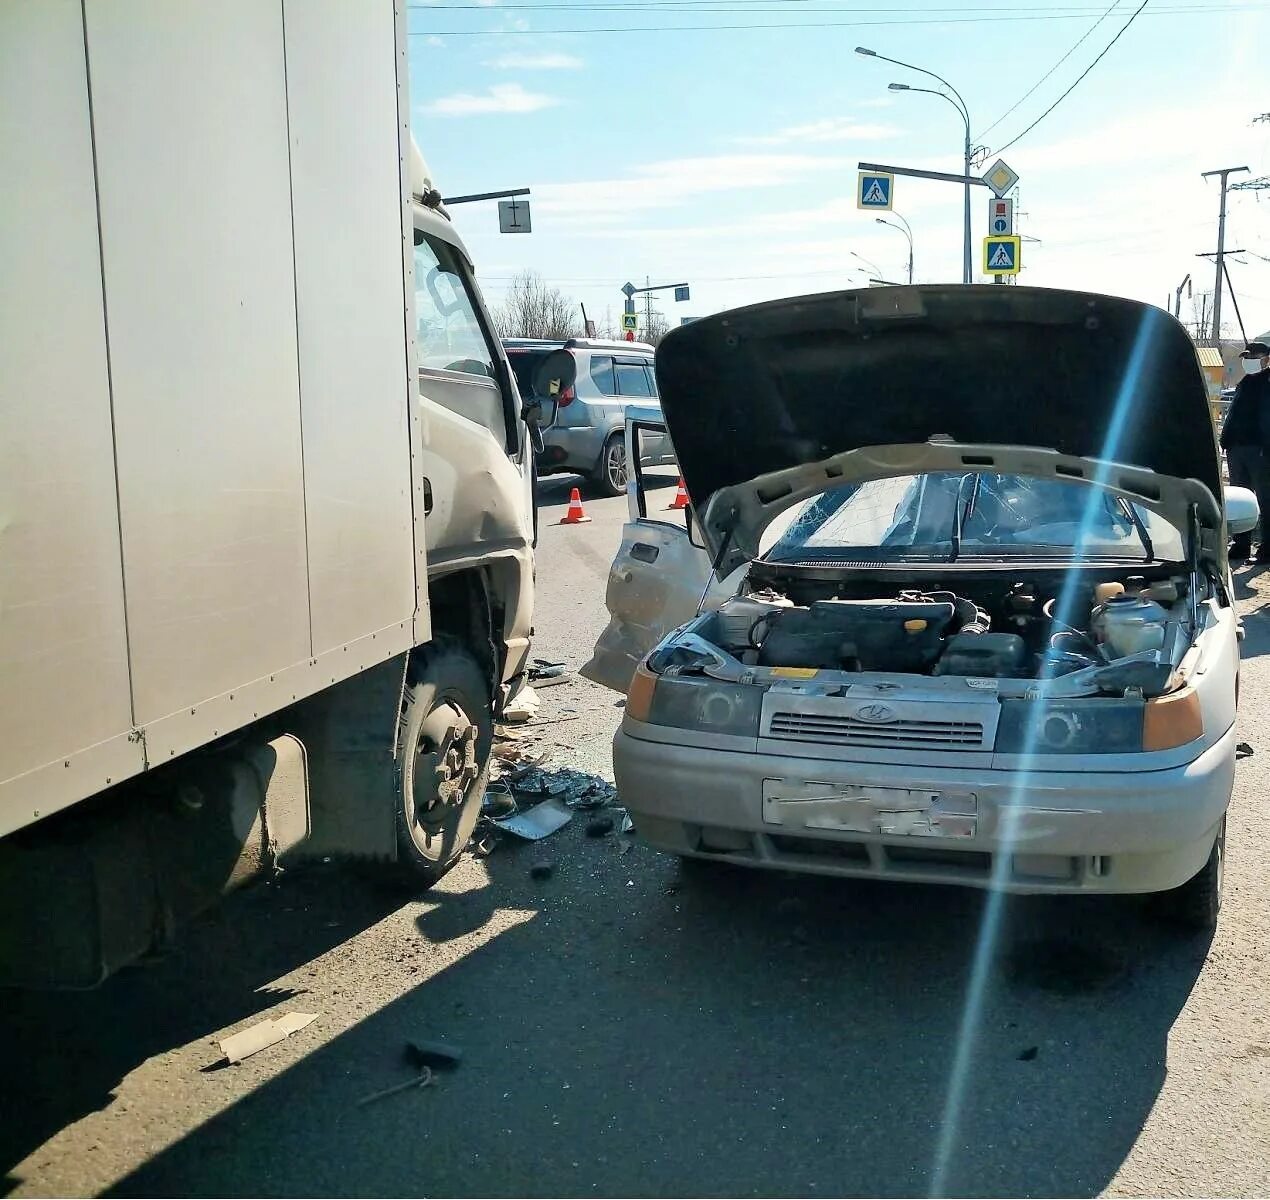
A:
x: 1000, y: 177
x: 1002, y: 255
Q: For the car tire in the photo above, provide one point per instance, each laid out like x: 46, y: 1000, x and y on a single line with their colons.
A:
x: 445, y: 735
x: 610, y: 473
x: 1195, y: 905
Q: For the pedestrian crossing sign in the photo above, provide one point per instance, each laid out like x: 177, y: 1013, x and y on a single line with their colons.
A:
x: 1002, y: 255
x: 630, y: 322
x: 875, y: 190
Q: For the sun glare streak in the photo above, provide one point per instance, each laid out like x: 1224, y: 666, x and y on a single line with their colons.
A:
x: 1008, y: 817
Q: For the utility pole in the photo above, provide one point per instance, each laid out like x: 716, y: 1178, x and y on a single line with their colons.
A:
x: 1224, y: 173
x: 1177, y: 297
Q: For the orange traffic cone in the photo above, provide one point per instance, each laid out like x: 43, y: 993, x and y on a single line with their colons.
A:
x: 575, y: 515
x: 681, y: 497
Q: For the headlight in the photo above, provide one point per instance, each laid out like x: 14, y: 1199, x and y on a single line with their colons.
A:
x: 698, y: 702
x: 695, y: 702
x: 1098, y: 726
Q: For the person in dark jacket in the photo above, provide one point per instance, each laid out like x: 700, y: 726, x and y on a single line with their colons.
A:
x: 1246, y: 439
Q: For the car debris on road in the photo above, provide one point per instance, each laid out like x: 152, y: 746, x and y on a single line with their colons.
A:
x: 262, y: 1035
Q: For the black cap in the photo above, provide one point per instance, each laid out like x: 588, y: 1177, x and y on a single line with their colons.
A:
x: 1255, y: 350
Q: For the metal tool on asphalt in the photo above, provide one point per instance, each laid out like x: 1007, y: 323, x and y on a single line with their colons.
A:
x: 422, y: 1080
x: 575, y: 514
x: 681, y: 496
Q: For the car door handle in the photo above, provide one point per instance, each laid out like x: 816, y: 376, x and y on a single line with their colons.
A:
x: 427, y: 496
x: 644, y: 552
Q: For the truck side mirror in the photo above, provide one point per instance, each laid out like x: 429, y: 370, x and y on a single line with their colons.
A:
x: 555, y: 373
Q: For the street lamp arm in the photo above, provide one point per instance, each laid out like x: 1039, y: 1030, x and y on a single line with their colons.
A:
x: 960, y: 102
x: 965, y: 116
x: 908, y: 233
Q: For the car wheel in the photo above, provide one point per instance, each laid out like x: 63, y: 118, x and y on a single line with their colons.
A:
x: 1196, y: 904
x: 443, y: 755
x: 611, y: 474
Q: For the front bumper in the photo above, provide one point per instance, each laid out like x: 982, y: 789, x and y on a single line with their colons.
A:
x: 1052, y: 832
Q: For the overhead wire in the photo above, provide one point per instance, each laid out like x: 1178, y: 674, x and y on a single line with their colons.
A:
x: 1076, y: 46
x: 1101, y: 55
x: 717, y: 27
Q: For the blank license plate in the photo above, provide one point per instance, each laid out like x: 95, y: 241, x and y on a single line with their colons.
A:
x: 846, y: 808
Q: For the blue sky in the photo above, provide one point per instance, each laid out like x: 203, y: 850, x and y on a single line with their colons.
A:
x: 727, y: 158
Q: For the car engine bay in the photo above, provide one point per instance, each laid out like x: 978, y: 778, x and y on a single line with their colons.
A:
x: 1127, y: 635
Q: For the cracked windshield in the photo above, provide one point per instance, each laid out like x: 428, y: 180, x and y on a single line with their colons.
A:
x: 696, y: 627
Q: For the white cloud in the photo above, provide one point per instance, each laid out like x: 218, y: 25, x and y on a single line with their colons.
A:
x: 535, y: 62
x: 669, y: 182
x: 829, y: 129
x: 501, y: 98
x: 877, y: 102
x: 433, y: 40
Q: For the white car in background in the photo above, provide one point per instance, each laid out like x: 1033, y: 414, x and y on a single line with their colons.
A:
x: 950, y: 633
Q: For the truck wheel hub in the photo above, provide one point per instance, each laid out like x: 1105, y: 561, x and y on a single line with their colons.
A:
x: 445, y: 760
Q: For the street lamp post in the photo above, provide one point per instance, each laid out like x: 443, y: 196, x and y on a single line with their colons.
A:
x: 907, y: 231
x: 960, y: 105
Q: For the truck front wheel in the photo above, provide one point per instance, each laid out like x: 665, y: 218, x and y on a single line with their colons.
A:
x: 447, y: 729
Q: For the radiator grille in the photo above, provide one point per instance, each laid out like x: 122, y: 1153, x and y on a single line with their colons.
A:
x: 899, y: 734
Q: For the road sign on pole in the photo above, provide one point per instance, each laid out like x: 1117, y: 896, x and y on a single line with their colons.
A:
x: 875, y: 190
x: 1002, y: 255
x: 630, y: 322
x: 1000, y: 177
x: 1000, y: 217
x: 513, y: 217
x: 682, y: 293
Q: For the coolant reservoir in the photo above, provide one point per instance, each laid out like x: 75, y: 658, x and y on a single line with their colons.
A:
x: 1129, y: 624
x: 738, y: 617
x: 1105, y: 591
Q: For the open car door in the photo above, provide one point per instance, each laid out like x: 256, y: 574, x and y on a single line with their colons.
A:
x: 658, y: 576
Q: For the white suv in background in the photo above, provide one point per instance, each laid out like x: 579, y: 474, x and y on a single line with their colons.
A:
x: 588, y: 433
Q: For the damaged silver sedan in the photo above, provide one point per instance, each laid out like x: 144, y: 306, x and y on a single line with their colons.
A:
x: 955, y: 606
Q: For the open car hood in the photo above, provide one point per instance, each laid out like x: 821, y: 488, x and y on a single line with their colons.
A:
x: 770, y: 404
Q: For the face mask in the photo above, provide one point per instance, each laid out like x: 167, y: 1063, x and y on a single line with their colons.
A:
x: 1252, y: 366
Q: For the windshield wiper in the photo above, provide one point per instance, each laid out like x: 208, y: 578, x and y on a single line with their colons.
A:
x: 1139, y: 525
x: 963, y: 513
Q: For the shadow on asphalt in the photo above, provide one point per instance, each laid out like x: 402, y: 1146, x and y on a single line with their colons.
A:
x: 1250, y: 582
x: 648, y: 1030
x: 65, y: 1052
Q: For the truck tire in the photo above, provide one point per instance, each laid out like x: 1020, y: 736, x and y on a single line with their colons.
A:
x: 1195, y: 905
x: 443, y: 753
x: 610, y: 473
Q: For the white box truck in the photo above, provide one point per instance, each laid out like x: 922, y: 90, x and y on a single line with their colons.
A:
x: 266, y: 499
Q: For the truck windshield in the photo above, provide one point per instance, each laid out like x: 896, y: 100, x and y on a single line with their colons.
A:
x: 942, y: 515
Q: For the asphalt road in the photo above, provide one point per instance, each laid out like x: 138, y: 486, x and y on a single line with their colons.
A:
x: 631, y: 1029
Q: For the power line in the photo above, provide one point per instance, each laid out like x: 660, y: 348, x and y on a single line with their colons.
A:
x: 1052, y: 69
x: 724, y: 28
x: 1074, y: 8
x: 1079, y: 77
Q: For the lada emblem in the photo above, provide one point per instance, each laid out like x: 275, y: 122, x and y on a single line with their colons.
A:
x: 875, y: 714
